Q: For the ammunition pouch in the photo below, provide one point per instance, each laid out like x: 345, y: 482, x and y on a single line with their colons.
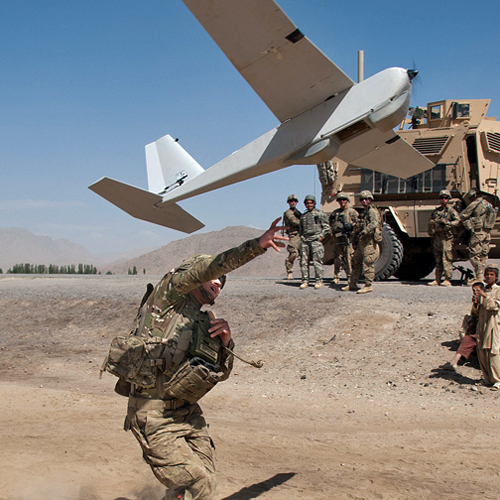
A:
x: 477, y: 223
x: 467, y: 224
x: 193, y: 380
x: 134, y: 360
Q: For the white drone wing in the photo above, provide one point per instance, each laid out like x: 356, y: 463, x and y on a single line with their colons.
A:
x: 288, y: 72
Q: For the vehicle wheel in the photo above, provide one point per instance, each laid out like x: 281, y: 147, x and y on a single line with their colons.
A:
x: 416, y: 266
x: 390, y: 254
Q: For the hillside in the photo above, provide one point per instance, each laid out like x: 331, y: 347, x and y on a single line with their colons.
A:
x: 19, y: 246
x: 169, y: 256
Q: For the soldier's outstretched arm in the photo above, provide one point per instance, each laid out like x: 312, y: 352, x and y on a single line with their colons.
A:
x: 182, y: 282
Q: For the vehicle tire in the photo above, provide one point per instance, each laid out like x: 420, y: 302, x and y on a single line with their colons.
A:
x: 390, y: 254
x: 416, y: 266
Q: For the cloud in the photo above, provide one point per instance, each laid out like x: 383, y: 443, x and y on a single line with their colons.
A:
x: 39, y: 204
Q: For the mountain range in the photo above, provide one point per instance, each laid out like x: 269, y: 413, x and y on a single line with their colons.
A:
x: 18, y: 246
x: 164, y: 259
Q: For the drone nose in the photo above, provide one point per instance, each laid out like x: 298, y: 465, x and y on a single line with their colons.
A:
x: 412, y: 73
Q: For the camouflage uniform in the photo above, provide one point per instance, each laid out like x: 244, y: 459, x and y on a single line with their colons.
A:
x: 479, y: 243
x: 441, y: 224
x: 173, y: 434
x: 342, y: 238
x: 313, y: 226
x: 365, y: 255
x: 291, y: 218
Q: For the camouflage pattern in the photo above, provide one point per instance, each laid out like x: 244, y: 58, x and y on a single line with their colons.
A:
x: 313, y: 227
x: 366, y: 252
x: 479, y: 244
x: 442, y: 222
x: 342, y: 235
x: 176, y: 443
x: 291, y: 219
x: 178, y: 448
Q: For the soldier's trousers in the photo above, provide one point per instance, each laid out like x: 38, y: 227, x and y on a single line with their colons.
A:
x: 342, y: 256
x: 479, y: 247
x: 311, y: 250
x: 177, y: 447
x: 293, y: 251
x: 443, y: 255
x: 363, y: 259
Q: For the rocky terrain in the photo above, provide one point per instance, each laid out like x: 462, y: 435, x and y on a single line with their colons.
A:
x: 160, y: 261
x: 350, y: 404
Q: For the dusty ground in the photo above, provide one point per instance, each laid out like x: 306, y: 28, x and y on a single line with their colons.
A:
x: 351, y: 403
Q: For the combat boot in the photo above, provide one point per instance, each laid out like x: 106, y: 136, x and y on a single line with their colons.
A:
x: 305, y: 284
x: 366, y: 289
x: 434, y: 283
x: 336, y: 280
x: 350, y: 288
x: 289, y: 276
x: 318, y: 285
x: 446, y: 282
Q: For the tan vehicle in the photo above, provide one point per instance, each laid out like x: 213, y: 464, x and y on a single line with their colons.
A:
x: 464, y: 145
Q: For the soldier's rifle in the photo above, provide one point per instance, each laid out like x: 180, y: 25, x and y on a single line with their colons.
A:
x: 466, y: 275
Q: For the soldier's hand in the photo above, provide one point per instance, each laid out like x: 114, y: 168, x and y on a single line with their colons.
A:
x: 268, y: 239
x: 220, y: 328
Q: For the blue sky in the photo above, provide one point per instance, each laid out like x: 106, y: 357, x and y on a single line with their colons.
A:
x: 86, y: 85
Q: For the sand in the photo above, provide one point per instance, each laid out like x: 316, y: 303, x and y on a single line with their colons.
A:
x: 350, y: 404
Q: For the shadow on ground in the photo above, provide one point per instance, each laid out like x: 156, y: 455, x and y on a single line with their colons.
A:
x: 258, y: 489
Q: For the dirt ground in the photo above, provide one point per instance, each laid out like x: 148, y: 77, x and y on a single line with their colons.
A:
x: 350, y: 404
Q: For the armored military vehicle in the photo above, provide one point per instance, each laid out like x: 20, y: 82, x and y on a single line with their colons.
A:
x: 464, y: 145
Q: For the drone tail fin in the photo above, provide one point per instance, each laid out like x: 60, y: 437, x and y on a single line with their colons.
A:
x: 169, y: 165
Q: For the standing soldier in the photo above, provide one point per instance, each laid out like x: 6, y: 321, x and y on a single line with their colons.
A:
x: 313, y: 229
x: 440, y: 229
x: 479, y: 218
x: 367, y: 233
x: 291, y: 219
x: 342, y: 221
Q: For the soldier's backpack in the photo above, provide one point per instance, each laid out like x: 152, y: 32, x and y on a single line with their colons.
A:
x: 133, y: 359
x: 377, y: 235
x: 489, y: 216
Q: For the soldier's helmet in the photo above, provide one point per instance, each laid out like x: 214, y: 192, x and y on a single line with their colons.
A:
x: 195, y: 259
x: 366, y: 194
x: 444, y: 193
x: 341, y: 196
x: 473, y: 192
x: 291, y: 197
x: 310, y: 197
